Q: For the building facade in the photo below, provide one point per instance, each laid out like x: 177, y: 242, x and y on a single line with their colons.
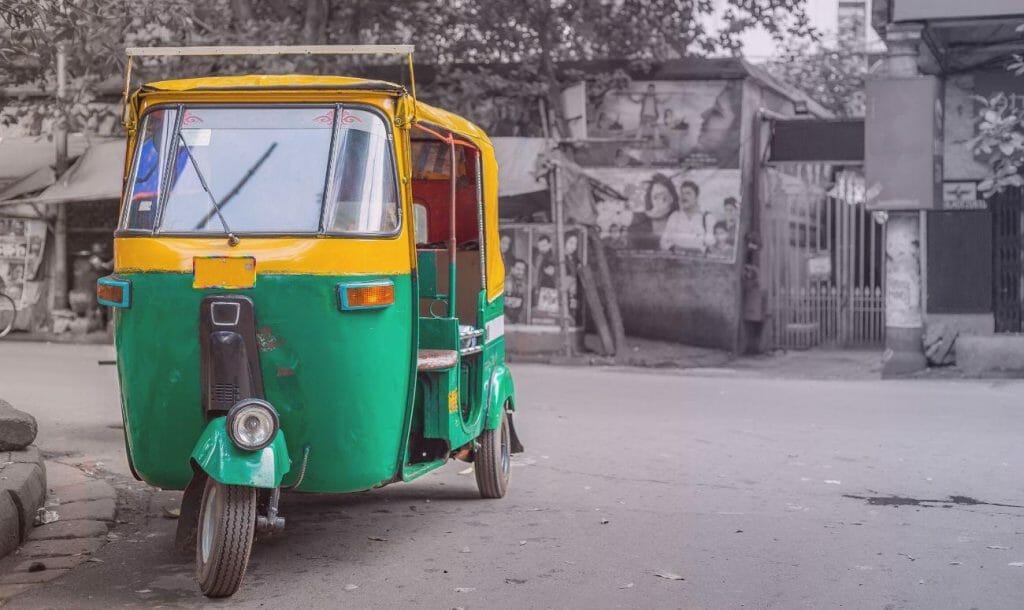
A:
x: 953, y: 252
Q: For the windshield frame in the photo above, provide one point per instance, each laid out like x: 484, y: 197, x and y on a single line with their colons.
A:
x: 326, y: 203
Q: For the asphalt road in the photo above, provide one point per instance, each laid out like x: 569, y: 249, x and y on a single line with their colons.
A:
x: 758, y: 493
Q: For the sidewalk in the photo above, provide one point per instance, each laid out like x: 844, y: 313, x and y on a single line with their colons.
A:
x: 646, y: 353
x: 80, y: 507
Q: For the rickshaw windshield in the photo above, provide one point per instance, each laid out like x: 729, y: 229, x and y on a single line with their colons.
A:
x: 263, y: 170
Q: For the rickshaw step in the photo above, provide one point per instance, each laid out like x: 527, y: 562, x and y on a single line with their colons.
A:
x: 436, y: 359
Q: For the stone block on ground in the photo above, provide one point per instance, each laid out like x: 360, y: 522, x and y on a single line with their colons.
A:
x: 10, y: 524
x: 939, y: 344
x: 81, y: 528
x: 991, y: 355
x: 90, y: 490
x: 17, y: 428
x: 28, y: 455
x: 26, y: 483
x: 97, y: 510
x: 57, y: 548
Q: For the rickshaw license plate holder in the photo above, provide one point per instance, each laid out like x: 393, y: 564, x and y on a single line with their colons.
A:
x: 228, y: 272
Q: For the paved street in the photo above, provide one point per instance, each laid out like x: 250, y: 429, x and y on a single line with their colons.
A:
x: 758, y: 492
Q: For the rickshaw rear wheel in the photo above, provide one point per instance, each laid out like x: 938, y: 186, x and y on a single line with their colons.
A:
x: 227, y: 524
x: 493, y: 460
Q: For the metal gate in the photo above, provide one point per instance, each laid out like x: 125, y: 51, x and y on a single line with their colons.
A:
x: 823, y: 266
x: 1007, y: 250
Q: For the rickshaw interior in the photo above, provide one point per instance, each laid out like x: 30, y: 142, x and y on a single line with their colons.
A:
x: 447, y: 212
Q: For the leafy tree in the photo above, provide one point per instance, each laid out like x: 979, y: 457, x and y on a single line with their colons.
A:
x: 831, y: 74
x: 1000, y: 136
x: 534, y: 35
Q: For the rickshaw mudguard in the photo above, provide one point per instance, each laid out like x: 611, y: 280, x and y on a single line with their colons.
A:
x: 501, y: 391
x: 217, y: 456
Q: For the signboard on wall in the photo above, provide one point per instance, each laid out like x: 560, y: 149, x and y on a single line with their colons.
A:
x: 962, y: 195
x: 903, y: 143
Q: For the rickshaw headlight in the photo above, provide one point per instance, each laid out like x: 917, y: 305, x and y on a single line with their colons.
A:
x: 252, y: 424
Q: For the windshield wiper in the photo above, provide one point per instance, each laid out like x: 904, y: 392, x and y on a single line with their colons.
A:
x: 232, y: 239
x: 238, y: 186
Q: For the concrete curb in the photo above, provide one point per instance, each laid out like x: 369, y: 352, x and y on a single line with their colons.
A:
x: 22, y: 491
x: 79, y: 509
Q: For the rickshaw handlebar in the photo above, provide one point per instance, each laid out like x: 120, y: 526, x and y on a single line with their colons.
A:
x: 316, y: 49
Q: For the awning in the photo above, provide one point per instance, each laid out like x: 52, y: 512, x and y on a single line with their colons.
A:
x: 95, y: 176
x: 21, y: 156
x: 32, y: 183
x: 517, y: 164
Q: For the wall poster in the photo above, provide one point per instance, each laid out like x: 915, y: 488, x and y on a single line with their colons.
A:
x: 692, y: 213
x: 531, y: 273
x: 21, y: 254
x: 666, y: 123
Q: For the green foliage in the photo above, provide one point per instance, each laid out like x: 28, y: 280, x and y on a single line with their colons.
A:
x: 1000, y: 139
x: 1000, y: 135
x: 532, y: 34
x: 831, y: 74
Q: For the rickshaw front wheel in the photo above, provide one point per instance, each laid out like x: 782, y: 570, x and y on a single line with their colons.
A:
x: 493, y: 460
x: 227, y: 524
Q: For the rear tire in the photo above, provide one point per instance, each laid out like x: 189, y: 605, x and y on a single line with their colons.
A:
x: 227, y: 524
x: 8, y: 312
x: 493, y: 460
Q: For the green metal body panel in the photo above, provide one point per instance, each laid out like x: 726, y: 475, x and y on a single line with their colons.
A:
x: 426, y: 267
x: 343, y: 382
x: 217, y: 456
x: 501, y: 393
x: 340, y: 380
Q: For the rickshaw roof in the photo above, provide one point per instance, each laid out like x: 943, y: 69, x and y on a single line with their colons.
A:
x: 249, y: 82
x: 309, y: 82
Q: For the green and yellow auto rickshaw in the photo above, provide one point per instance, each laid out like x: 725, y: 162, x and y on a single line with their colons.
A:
x: 307, y: 290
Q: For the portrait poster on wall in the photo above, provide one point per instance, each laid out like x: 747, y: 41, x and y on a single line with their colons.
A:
x: 531, y: 274
x: 21, y: 254
x: 692, y: 124
x: 692, y: 213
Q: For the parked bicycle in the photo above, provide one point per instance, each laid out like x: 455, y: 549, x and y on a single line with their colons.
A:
x: 8, y: 312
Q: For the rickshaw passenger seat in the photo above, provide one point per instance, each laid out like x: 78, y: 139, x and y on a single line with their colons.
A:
x: 436, y: 359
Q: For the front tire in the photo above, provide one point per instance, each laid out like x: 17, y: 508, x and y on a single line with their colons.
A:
x: 493, y: 460
x: 227, y: 524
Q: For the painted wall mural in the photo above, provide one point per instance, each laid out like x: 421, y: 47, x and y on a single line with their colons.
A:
x: 693, y: 124
x: 691, y: 213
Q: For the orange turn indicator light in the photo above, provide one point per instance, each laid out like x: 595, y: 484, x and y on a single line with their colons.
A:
x: 368, y: 295
x: 113, y: 291
x: 106, y: 292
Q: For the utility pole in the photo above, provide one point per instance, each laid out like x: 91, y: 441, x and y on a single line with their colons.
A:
x: 59, y: 263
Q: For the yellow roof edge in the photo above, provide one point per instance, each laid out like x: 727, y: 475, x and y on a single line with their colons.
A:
x: 272, y: 81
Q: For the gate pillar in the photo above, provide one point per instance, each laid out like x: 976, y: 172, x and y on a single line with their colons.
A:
x: 903, y: 166
x: 904, y: 348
